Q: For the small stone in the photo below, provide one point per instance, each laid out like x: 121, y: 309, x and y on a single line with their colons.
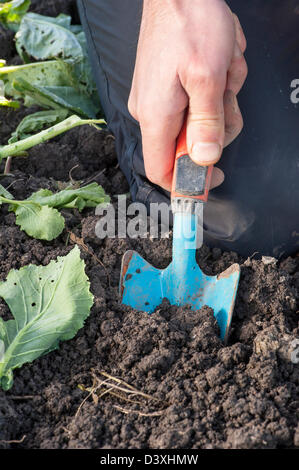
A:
x: 268, y: 260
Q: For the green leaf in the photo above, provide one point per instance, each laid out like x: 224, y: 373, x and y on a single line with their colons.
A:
x: 12, y: 12
x: 19, y: 147
x: 57, y: 97
x: 4, y: 101
x: 38, y: 221
x: 41, y: 222
x: 5, y: 193
x: 87, y: 196
x: 43, y: 38
x: 49, y: 304
x: 36, y: 122
x: 70, y: 72
x: 49, y: 73
x: 61, y: 20
x: 83, y: 71
x: 8, y: 103
x: 38, y: 215
x: 46, y: 38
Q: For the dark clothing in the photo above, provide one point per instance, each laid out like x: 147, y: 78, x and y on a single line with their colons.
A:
x: 256, y: 209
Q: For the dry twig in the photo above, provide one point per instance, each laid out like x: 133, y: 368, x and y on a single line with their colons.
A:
x: 140, y: 413
x: 79, y: 241
x: 22, y: 397
x: 15, y: 441
x: 117, y: 388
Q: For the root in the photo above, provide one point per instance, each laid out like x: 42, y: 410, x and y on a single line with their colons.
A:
x: 126, y: 411
x: 15, y: 441
x: 121, y: 390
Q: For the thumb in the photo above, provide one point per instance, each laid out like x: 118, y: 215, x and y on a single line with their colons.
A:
x: 206, y: 124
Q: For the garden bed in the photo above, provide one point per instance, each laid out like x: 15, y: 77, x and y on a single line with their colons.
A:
x: 191, y: 391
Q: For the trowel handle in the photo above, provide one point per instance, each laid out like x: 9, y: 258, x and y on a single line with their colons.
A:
x: 189, y: 179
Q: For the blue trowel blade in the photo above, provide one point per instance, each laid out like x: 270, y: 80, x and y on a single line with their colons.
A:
x: 143, y: 287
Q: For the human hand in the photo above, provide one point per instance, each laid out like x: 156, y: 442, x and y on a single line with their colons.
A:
x: 189, y: 56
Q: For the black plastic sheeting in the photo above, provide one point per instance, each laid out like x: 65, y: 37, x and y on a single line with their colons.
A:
x: 256, y: 209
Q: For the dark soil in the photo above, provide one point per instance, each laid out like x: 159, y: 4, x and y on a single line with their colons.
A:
x: 199, y: 394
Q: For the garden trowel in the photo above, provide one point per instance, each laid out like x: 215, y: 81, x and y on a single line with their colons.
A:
x: 143, y: 287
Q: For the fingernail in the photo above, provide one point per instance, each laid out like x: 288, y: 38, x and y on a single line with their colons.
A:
x: 206, y: 153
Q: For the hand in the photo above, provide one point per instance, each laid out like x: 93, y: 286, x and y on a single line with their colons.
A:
x: 190, y: 55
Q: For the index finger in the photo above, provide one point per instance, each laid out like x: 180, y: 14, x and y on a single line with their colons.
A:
x: 158, y: 144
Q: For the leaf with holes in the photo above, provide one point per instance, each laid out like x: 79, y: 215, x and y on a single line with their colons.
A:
x: 49, y: 304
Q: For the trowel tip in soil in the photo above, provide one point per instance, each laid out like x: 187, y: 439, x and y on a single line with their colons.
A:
x: 123, y: 270
x: 234, y: 268
x: 143, y: 287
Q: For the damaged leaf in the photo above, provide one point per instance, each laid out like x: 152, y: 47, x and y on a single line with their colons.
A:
x: 49, y: 304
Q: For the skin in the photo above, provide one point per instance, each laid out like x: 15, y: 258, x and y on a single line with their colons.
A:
x: 189, y: 60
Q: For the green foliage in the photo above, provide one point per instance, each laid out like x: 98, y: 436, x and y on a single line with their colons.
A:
x: 57, y: 97
x: 87, y: 196
x: 19, y: 147
x: 36, y: 122
x: 60, y: 82
x: 48, y: 73
x: 43, y: 37
x: 12, y: 12
x: 51, y: 84
x: 38, y: 215
x: 4, y: 101
x: 49, y: 304
x: 41, y: 222
x: 8, y: 103
x: 5, y: 193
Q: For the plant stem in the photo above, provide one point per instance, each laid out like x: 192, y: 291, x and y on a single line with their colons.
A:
x: 7, y: 166
x: 12, y: 150
x: 17, y: 203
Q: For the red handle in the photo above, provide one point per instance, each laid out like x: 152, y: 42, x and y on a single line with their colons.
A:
x: 189, y: 179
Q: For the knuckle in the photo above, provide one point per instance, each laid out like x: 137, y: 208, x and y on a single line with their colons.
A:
x: 234, y: 127
x: 146, y: 121
x: 132, y: 107
x: 155, y: 174
x: 145, y: 112
x: 237, y: 75
x: 153, y: 177
x: 207, y: 119
x: 241, y: 122
x: 204, y: 74
x: 243, y: 69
